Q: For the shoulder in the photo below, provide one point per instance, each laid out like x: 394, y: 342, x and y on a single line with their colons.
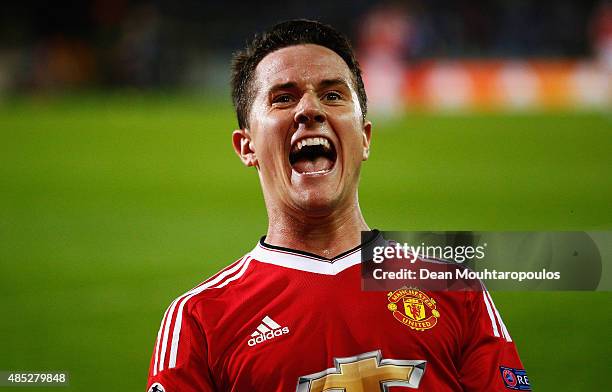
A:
x: 182, y: 317
x: 215, y: 285
x: 186, y: 304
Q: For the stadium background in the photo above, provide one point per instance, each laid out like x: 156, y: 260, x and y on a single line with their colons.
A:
x: 119, y: 189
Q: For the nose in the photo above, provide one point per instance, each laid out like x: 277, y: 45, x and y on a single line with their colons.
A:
x: 309, y: 110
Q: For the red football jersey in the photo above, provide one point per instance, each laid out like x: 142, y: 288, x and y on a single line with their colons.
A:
x: 284, y: 320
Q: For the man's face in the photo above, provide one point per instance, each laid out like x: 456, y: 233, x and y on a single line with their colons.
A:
x: 306, y: 132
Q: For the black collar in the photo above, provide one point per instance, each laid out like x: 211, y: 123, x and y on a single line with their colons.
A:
x: 367, y: 238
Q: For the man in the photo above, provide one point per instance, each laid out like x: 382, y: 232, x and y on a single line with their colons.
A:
x: 291, y: 315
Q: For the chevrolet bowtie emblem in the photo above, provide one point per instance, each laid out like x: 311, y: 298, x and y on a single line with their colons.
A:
x: 366, y: 372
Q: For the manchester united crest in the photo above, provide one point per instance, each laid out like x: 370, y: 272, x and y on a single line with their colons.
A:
x: 413, y: 308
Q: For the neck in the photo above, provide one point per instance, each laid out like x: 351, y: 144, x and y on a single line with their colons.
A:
x: 326, y: 236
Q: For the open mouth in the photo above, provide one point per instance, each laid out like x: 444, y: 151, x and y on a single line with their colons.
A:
x: 312, y: 156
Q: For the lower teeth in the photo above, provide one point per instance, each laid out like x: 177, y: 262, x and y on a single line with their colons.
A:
x: 316, y: 172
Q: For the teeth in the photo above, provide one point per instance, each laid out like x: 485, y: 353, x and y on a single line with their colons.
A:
x: 317, y: 172
x: 312, y: 141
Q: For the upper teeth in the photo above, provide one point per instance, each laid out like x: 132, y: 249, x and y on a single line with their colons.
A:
x: 312, y: 141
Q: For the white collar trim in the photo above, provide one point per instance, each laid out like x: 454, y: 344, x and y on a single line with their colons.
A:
x: 303, y: 262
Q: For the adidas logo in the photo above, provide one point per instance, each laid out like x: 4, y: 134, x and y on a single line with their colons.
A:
x: 268, y: 329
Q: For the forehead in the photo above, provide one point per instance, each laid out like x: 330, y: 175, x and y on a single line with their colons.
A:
x: 302, y: 64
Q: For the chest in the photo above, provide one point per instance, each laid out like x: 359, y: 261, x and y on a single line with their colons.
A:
x: 331, y: 329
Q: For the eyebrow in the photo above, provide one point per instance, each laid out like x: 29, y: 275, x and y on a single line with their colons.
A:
x: 322, y: 84
x: 333, y: 82
x: 283, y: 86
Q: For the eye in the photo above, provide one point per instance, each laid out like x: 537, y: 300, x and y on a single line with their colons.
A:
x: 332, y: 96
x: 282, y: 98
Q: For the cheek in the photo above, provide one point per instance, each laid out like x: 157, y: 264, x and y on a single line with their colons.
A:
x: 270, y: 123
x: 274, y: 125
x: 269, y: 136
x: 349, y: 131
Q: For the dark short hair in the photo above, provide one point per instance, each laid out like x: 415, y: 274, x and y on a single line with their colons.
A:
x: 293, y: 32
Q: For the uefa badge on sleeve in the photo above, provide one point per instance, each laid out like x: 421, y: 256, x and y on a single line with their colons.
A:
x: 515, y: 379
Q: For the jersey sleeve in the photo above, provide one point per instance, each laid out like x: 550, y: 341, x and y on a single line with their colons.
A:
x: 180, y: 356
x: 489, y: 361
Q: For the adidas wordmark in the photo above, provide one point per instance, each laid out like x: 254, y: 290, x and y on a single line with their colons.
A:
x: 268, y: 329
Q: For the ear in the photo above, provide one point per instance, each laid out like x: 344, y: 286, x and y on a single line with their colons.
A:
x: 367, y: 134
x: 243, y: 145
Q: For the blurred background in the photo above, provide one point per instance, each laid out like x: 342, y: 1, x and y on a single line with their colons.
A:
x: 119, y: 189
x: 441, y: 54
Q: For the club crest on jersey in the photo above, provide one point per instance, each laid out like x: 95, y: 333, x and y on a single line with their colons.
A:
x: 413, y: 308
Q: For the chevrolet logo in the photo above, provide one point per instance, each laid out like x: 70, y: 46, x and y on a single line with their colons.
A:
x: 364, y: 373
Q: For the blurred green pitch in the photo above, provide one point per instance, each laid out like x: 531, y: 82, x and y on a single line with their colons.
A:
x: 111, y: 206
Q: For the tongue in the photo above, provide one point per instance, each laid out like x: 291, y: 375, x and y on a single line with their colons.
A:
x: 309, y: 166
